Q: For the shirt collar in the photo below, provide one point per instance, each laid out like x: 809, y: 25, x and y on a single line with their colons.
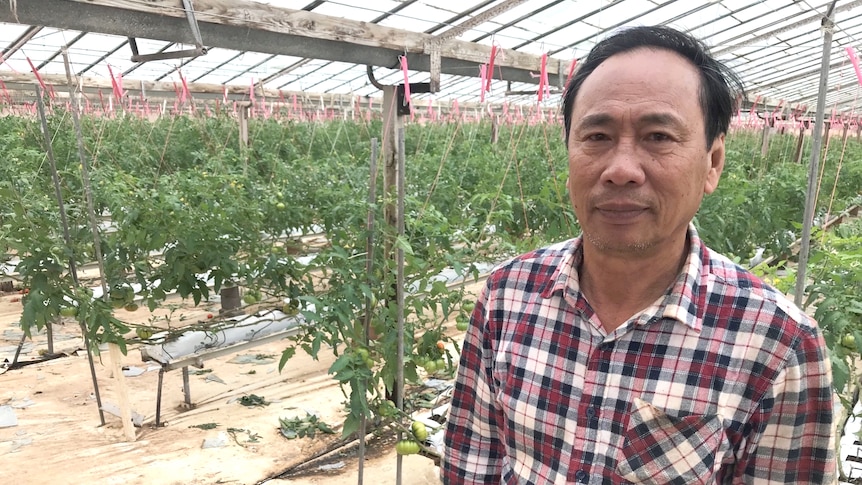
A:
x: 684, y: 301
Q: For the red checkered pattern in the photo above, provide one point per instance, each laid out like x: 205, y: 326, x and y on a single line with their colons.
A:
x: 722, y: 380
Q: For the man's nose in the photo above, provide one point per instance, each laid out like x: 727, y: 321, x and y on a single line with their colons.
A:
x: 624, y: 164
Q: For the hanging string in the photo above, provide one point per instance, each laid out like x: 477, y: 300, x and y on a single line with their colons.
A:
x: 483, y: 74
x: 841, y: 159
x: 832, y: 121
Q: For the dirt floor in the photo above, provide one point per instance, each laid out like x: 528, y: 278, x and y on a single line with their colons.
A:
x: 58, y: 437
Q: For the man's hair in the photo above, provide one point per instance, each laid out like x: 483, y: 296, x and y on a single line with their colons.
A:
x: 719, y: 85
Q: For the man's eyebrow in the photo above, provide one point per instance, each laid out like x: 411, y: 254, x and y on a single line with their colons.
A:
x: 594, y: 120
x: 603, y: 119
x: 662, y: 119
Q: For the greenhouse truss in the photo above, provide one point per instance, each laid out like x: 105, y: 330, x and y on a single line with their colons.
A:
x: 325, y: 47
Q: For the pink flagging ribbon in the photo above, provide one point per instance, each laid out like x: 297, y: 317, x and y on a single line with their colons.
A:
x: 751, y: 111
x: 403, y: 60
x: 544, y: 88
x: 851, y: 53
x: 118, y: 90
x: 39, y: 78
x: 571, y: 71
x: 187, y: 94
x: 490, y: 74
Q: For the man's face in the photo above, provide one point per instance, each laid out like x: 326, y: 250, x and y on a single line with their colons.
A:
x: 638, y: 162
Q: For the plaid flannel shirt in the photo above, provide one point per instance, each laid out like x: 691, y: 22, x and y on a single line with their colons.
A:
x: 722, y: 380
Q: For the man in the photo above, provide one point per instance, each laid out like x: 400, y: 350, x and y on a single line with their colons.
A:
x: 634, y: 354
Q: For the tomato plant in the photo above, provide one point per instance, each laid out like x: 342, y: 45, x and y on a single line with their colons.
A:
x: 182, y: 209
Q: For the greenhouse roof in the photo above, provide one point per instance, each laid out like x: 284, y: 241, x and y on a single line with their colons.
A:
x: 325, y: 46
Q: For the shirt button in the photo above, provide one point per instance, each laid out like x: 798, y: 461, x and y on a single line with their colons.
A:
x: 591, y: 412
x: 581, y: 476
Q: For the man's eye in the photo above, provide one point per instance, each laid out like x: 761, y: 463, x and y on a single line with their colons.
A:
x: 596, y: 137
x: 659, y: 137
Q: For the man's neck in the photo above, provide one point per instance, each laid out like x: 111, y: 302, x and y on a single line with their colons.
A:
x: 618, y: 286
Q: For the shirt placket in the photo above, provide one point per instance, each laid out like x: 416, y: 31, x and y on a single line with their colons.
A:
x: 590, y: 408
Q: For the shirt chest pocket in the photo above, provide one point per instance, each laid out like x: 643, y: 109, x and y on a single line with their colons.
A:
x: 663, y: 449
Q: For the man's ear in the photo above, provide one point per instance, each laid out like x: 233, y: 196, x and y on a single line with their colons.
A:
x: 715, y: 158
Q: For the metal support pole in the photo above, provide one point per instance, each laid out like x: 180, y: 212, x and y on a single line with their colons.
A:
x: 399, y: 283
x: 159, y: 397
x: 85, y: 177
x: 813, y: 167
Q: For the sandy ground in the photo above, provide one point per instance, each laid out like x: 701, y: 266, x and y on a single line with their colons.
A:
x: 58, y: 437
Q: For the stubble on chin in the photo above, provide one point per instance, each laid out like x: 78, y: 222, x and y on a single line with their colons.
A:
x: 606, y: 245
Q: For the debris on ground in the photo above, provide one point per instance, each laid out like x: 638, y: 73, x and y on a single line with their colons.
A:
x: 8, y: 418
x: 113, y: 409
x: 255, y: 359
x: 220, y: 441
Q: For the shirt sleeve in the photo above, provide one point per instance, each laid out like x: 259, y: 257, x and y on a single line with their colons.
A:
x: 473, y: 451
x: 797, y: 441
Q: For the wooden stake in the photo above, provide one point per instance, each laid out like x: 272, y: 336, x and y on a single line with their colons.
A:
x: 122, y: 392
x: 799, y: 143
x: 764, y: 141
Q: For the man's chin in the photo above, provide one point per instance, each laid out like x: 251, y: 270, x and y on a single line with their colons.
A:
x: 619, y: 245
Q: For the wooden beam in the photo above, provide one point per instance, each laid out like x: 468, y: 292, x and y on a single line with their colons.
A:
x: 249, y: 26
x: 25, y: 81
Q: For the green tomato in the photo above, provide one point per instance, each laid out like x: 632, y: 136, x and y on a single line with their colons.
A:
x: 430, y: 366
x: 407, y: 447
x: 280, y: 206
x: 68, y: 311
x: 442, y: 365
x: 419, y: 430
x: 362, y: 353
x: 143, y: 333
x: 291, y: 308
x: 249, y: 299
x: 462, y: 325
x: 849, y: 341
x: 468, y: 306
x: 131, y: 307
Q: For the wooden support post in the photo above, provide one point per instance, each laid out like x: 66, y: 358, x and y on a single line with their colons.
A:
x: 799, y: 143
x: 122, y: 392
x: 187, y: 391
x: 243, y: 124
x: 243, y: 134
x: 393, y: 124
x: 844, y: 133
x: 764, y: 141
x: 495, y: 129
